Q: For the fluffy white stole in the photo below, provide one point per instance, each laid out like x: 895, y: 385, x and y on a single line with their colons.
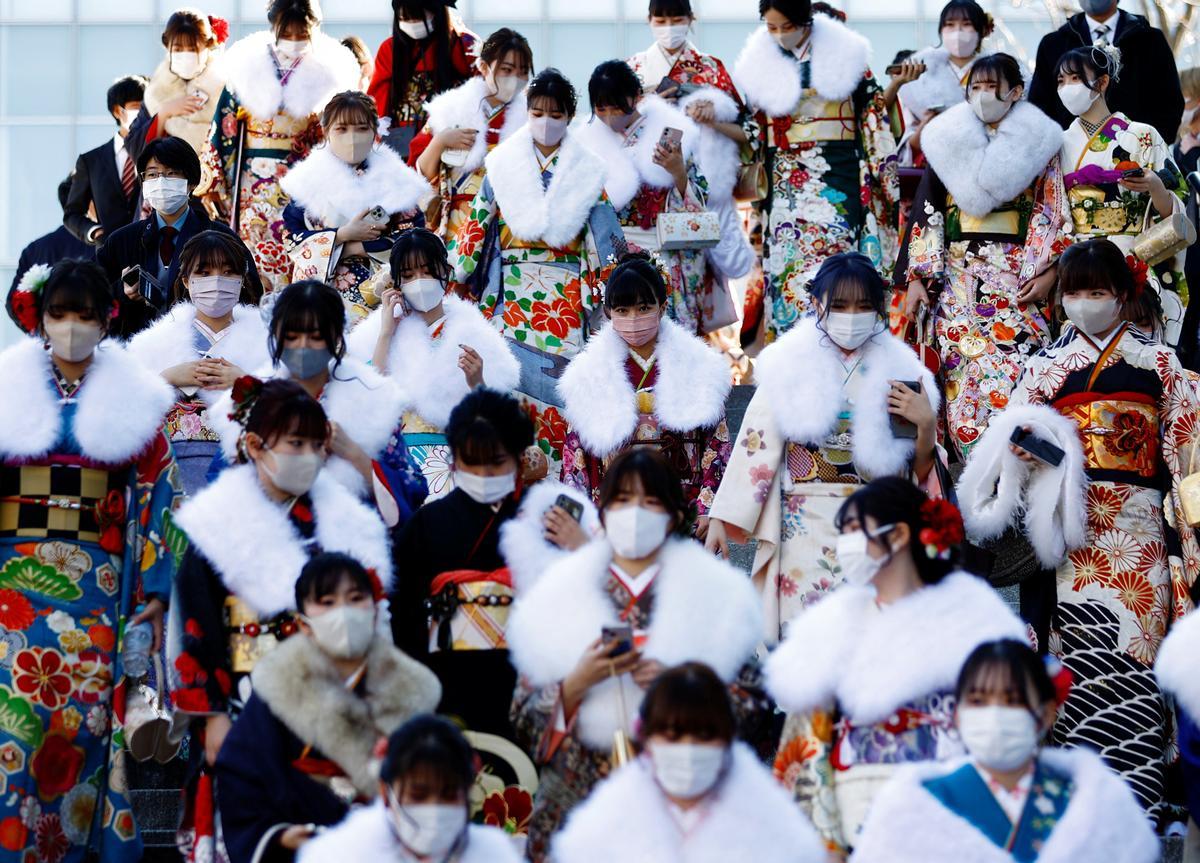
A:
x: 523, y: 544
x: 704, y: 611
x: 599, y: 401
x: 462, y: 108
x: 984, y: 171
x: 770, y: 76
x: 873, y: 662
x: 308, y: 695
x: 120, y: 405
x: 717, y: 155
x: 253, y: 546
x: 940, y: 84
x: 166, y: 85
x: 802, y: 377
x: 556, y: 215
x: 333, y: 192
x: 367, y: 836
x: 1103, y: 821
x: 1175, y: 666
x: 432, y: 382
x: 328, y: 68
x: 997, y: 487
x: 750, y: 817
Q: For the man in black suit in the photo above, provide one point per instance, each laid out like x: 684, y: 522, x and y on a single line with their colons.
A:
x: 169, y: 170
x: 106, y: 177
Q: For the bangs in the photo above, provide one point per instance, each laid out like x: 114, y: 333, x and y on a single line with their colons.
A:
x: 71, y: 295
x: 298, y: 320
x: 213, y: 256
x: 623, y: 293
x: 415, y: 256
x: 307, y: 423
x: 688, y: 713
x: 352, y: 114
x: 480, y: 444
x: 955, y: 13
x: 850, y: 288
x: 1074, y: 64
x: 548, y: 103
x: 994, y: 675
x: 329, y: 580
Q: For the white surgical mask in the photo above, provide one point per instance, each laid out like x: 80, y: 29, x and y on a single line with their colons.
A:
x: 547, y: 130
x: 129, y: 116
x: 849, y: 330
x: 1002, y: 738
x: 352, y: 147
x: 670, y: 37
x: 427, y: 829
x: 215, y: 296
x: 635, y: 532
x: 344, y: 632
x: 73, y: 341
x: 292, y: 48
x: 989, y: 107
x: 293, y: 473
x: 961, y: 43
x: 687, y: 770
x: 1091, y: 316
x: 506, y: 87
x: 166, y: 194
x: 486, y: 489
x: 424, y: 294
x: 305, y: 363
x: 791, y: 40
x: 1077, y: 98
x: 416, y: 30
x: 186, y: 64
x: 856, y: 563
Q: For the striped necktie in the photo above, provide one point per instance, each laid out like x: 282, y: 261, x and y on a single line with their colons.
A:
x: 128, y: 178
x: 1101, y: 34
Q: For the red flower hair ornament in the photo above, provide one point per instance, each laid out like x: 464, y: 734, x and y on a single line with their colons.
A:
x: 220, y: 28
x: 1141, y: 274
x: 941, y: 528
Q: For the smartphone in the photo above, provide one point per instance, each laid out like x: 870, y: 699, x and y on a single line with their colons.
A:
x: 672, y: 139
x: 132, y: 277
x: 376, y: 216
x: 622, y: 635
x: 1040, y: 449
x: 137, y: 278
x: 204, y: 97
x: 902, y: 428
x: 896, y: 68
x: 570, y: 506
x: 1133, y: 174
x: 667, y: 88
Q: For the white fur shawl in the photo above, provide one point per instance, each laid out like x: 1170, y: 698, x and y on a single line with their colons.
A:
x: 166, y: 85
x: 704, y: 611
x: 997, y: 487
x: 253, y: 546
x: 366, y: 836
x: 427, y: 369
x: 333, y: 192
x: 750, y: 817
x: 770, y: 76
x: 873, y: 662
x: 599, y: 401
x: 1103, y: 821
x: 328, y: 68
x: 718, y: 156
x: 307, y: 694
x: 555, y: 215
x: 1176, y: 666
x: 120, y: 405
x: 802, y: 377
x: 940, y: 84
x: 983, y: 171
x: 523, y: 544
x: 462, y: 108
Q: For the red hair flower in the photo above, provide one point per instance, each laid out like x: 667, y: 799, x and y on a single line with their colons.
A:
x: 1061, y: 677
x: 1141, y: 273
x: 942, y: 528
x: 246, y: 391
x: 220, y: 28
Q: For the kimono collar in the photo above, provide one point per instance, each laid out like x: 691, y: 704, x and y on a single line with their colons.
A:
x: 334, y: 192
x: 464, y: 108
x: 328, y: 68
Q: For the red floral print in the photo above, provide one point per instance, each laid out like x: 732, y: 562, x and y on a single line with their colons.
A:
x: 56, y: 766
x: 43, y: 675
x: 15, y: 611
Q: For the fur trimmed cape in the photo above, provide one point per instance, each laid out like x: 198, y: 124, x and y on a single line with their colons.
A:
x: 120, y: 406
x: 328, y: 68
x: 462, y: 108
x: 1177, y: 666
x: 704, y: 611
x: 165, y: 85
x: 840, y: 650
x: 748, y: 817
x: 523, y: 544
x: 332, y: 192
x: 940, y: 83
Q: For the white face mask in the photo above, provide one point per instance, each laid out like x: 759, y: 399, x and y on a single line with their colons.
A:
x: 1002, y: 738
x: 424, y: 294
x: 687, y: 770
x: 670, y: 37
x: 352, y: 147
x: 167, y: 195
x: 293, y: 474
x: 215, y: 296
x: 635, y: 532
x: 791, y: 40
x: 427, y: 829
x: 129, y: 116
x: 548, y: 131
x: 73, y: 341
x: 292, y: 48
x: 961, y: 43
x: 857, y: 565
x: 1091, y: 316
x: 344, y: 632
x: 186, y: 64
x: 1077, y: 98
x: 506, y: 87
x: 989, y: 107
x: 486, y: 489
x: 849, y: 330
x: 416, y: 30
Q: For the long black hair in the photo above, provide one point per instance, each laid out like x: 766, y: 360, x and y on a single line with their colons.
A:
x: 1091, y: 62
x: 799, y: 12
x: 431, y: 743
x: 420, y: 246
x: 851, y: 271
x: 216, y: 248
x: 1092, y: 263
x: 305, y: 306
x: 402, y: 67
x: 614, y: 85
x: 999, y: 68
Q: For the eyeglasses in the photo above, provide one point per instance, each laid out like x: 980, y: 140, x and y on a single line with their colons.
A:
x: 155, y: 174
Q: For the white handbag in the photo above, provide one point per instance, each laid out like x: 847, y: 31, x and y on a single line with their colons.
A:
x: 678, y: 231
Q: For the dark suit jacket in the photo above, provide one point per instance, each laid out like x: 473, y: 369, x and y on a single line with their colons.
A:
x: 58, y: 245
x: 137, y: 245
x: 96, y: 181
x: 1148, y: 89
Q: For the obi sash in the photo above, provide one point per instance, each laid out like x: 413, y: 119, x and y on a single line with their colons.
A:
x: 251, y: 638
x: 1119, y: 431
x: 468, y: 610
x: 814, y: 120
x: 64, y: 501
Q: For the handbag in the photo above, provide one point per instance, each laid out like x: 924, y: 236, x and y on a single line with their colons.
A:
x: 1164, y: 240
x: 717, y: 309
x: 1189, y: 492
x: 682, y: 231
x: 752, y: 182
x: 148, y: 727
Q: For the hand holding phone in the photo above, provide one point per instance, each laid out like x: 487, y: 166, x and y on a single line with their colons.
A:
x: 1044, y: 451
x: 621, y: 636
x: 667, y: 88
x: 376, y: 216
x: 671, y: 139
x: 1133, y: 174
x: 570, y: 506
x: 901, y: 427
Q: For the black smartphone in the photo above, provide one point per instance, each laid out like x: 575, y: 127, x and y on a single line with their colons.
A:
x: 570, y: 506
x: 132, y: 276
x: 896, y: 68
x: 1133, y: 174
x: 901, y: 427
x: 1040, y: 449
x: 668, y: 88
x: 622, y: 636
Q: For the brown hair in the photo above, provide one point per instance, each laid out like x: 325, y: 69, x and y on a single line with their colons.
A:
x: 284, y: 407
x: 190, y: 25
x: 350, y: 105
x: 688, y: 699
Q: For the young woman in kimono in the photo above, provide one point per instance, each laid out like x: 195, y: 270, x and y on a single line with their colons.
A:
x: 437, y: 346
x: 808, y: 440
x: 210, y: 335
x: 87, y: 549
x: 301, y: 751
x: 827, y: 147
x: 1012, y: 800
x: 982, y: 227
x: 866, y: 675
x: 536, y: 247
x: 693, y: 794
x: 468, y: 122
x: 350, y: 200
x: 645, y: 381
x: 421, y: 813
x: 580, y: 683
x: 276, y: 83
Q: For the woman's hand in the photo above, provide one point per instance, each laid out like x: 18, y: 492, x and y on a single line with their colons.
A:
x: 358, y: 230
x: 1151, y: 184
x: 1024, y: 455
x: 183, y: 375
x: 215, y: 729
x: 471, y: 364
x: 910, y: 70
x: 646, y: 671
x: 916, y: 299
x: 296, y: 835
x: 344, y: 446
x: 914, y: 140
x: 670, y: 159
x: 717, y: 540
x: 391, y: 300
x: 912, y: 406
x: 180, y: 106
x: 1037, y: 289
x: 218, y: 374
x: 562, y: 530
x: 456, y: 139
x: 593, y: 667
x: 153, y: 613
x: 702, y: 112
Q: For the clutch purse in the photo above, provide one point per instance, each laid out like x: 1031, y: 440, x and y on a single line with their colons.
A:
x: 752, y: 183
x: 678, y: 231
x: 1189, y: 493
x: 1165, y: 240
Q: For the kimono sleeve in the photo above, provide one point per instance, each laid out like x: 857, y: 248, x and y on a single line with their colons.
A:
x: 712, y: 466
x: 1180, y: 417
x: 156, y: 546
x: 474, y: 245
x: 202, y: 675
x: 399, y: 486
x: 310, y: 246
x: 804, y: 765
x: 924, y: 248
x: 219, y: 158
x: 604, y: 241
x: 580, y: 469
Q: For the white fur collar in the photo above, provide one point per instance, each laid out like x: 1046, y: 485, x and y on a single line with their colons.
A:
x: 1175, y: 666
x: 462, y: 108
x: 554, y: 216
x: 598, y: 399
x: 984, y: 171
x: 770, y: 77
x: 750, y: 817
x: 939, y: 84
x: 523, y: 544
x: 802, y: 377
x: 717, y: 155
x: 253, y: 546
x: 120, y: 407
x: 334, y: 192
x: 433, y: 382
x: 1103, y: 821
x: 873, y: 662
x: 166, y: 85
x: 328, y: 68
x: 704, y: 610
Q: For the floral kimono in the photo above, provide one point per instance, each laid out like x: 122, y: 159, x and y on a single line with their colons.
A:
x: 984, y: 221
x: 675, y: 402
x: 87, y: 495
x: 816, y: 429
x: 536, y: 248
x: 869, y: 688
x: 265, y: 122
x: 830, y: 158
x: 326, y: 194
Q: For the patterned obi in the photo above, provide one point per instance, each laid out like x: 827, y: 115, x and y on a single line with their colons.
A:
x: 1120, y: 431
x: 1010, y: 220
x: 832, y: 462
x: 250, y: 638
x: 814, y: 120
x: 64, y: 501
x: 277, y: 133
x: 1093, y: 214
x: 468, y: 610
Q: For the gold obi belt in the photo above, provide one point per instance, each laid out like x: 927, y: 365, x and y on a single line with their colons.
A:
x: 1092, y: 214
x: 1007, y: 220
x: 251, y: 638
x: 64, y: 501
x: 814, y: 120
x: 412, y: 423
x: 1119, y: 430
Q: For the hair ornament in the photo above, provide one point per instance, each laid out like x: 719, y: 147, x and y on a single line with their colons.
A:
x: 1141, y: 274
x: 941, y: 528
x: 1060, y: 676
x: 24, y: 300
x: 220, y: 28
